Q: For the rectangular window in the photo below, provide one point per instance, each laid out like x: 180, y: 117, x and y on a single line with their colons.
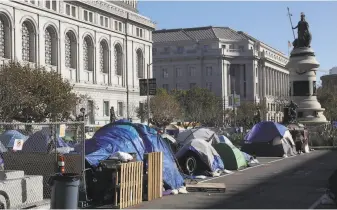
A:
x: 180, y: 49
x: 91, y: 17
x: 137, y: 31
x: 107, y: 22
x: 120, y: 108
x: 209, y: 86
x: 101, y: 20
x: 85, y: 15
x: 68, y: 9
x: 209, y: 71
x: 206, y: 48
x: 179, y: 72
x: 73, y: 11
x: 141, y: 32
x: 120, y: 28
x: 116, y: 25
x: 54, y: 6
x: 193, y: 85
x: 192, y: 71
x: 88, y: 16
x: 165, y: 73
x: 48, y: 6
x: 106, y: 108
x: 166, y: 87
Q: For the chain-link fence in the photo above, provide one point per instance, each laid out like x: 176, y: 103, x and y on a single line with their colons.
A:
x: 34, y: 148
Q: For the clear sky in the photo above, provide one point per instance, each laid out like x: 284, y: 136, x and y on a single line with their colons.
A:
x: 266, y: 21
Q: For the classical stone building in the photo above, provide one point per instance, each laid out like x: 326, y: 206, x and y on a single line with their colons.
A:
x: 102, y: 47
x: 224, y: 61
x: 330, y: 79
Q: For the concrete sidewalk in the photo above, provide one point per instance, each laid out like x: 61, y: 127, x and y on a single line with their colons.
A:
x: 295, y: 182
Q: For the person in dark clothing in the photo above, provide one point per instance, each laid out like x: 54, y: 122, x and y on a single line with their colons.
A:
x: 299, y: 139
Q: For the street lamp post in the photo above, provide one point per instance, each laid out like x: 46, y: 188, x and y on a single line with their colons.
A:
x: 148, y: 93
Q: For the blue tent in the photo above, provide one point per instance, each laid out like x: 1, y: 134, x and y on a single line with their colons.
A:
x: 8, y: 138
x: 128, y: 137
x: 262, y: 140
x: 265, y: 131
x: 39, y: 141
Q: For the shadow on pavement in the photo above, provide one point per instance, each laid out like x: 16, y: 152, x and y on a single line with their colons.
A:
x: 294, y: 183
x: 290, y: 183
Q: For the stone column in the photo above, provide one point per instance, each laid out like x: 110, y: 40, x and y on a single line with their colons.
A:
x: 267, y: 81
x: 273, y: 82
x: 279, y: 79
x: 264, y: 81
x: 225, y: 83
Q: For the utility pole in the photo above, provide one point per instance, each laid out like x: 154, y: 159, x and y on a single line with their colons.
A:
x: 148, y: 93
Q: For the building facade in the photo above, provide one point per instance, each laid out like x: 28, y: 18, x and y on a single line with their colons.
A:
x: 102, y: 47
x: 330, y: 80
x: 224, y: 61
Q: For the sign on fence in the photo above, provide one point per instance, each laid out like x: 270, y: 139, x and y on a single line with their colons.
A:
x: 18, y: 144
x: 62, y: 130
x: 143, y: 87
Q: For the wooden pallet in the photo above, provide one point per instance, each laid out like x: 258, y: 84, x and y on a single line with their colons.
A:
x: 129, y: 185
x: 154, y: 181
x: 206, y: 187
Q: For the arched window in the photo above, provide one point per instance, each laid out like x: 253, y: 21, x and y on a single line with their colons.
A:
x: 5, y: 37
x: 28, y: 41
x: 51, y: 55
x: 104, y: 57
x: 88, y: 54
x: 70, y: 50
x: 140, y: 64
x: 118, y: 60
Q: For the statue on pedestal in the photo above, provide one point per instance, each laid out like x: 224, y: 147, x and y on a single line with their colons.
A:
x: 303, y: 33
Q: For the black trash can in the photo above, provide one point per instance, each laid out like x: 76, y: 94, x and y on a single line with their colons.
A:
x: 64, y: 191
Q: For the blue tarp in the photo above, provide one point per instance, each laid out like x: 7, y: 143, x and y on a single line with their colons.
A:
x: 128, y: 137
x: 8, y: 138
x: 39, y: 141
x: 265, y: 132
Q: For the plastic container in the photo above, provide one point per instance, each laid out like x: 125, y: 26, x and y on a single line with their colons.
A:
x: 64, y: 191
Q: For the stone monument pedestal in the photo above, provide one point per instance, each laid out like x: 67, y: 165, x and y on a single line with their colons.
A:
x: 302, y: 68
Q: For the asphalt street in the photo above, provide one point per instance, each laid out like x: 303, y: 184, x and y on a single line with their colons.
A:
x: 296, y: 182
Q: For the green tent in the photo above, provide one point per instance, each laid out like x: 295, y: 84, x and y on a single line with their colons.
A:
x: 231, y: 156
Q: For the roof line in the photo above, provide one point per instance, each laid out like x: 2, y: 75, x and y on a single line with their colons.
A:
x: 254, y: 39
x: 179, y: 29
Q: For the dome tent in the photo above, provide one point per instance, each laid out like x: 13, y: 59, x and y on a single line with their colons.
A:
x: 231, y: 156
x: 197, y: 133
x: 268, y: 139
x: 206, y: 157
x: 8, y: 137
x: 40, y: 142
x: 129, y: 137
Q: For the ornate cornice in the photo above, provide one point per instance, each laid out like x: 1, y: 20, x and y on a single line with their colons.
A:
x: 111, y: 8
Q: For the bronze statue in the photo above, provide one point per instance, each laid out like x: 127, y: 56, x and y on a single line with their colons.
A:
x: 303, y: 33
